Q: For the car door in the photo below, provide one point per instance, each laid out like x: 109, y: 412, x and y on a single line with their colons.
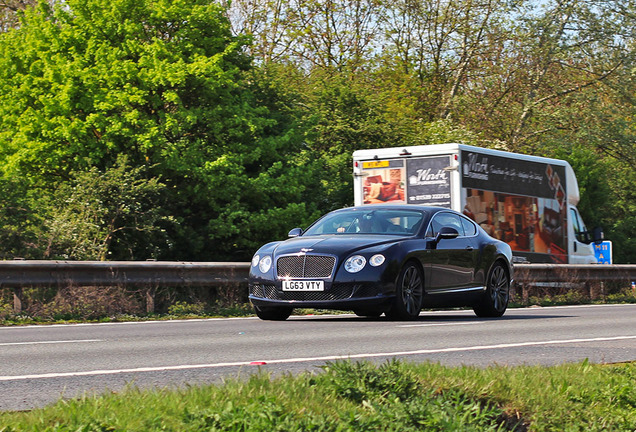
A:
x: 451, y: 261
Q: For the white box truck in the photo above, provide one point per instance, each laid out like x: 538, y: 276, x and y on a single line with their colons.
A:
x: 527, y: 201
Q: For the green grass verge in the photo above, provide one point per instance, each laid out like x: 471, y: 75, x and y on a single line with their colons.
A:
x: 347, y: 396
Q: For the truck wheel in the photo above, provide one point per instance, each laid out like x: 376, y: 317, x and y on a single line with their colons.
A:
x: 495, y: 300
x: 273, y: 313
x: 409, y: 293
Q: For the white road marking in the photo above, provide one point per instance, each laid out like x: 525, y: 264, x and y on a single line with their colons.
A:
x: 311, y: 359
x: 50, y: 342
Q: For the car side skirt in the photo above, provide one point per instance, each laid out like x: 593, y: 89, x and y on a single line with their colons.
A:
x: 457, y: 290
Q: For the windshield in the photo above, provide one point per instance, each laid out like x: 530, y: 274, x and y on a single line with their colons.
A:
x: 390, y: 222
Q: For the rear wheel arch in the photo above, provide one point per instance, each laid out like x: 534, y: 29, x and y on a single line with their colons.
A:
x: 504, y: 263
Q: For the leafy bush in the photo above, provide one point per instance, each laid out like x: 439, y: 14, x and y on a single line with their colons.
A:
x: 181, y: 308
x: 89, y: 303
x: 6, y: 310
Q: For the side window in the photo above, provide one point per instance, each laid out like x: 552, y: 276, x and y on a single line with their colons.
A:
x: 444, y: 220
x: 575, y: 222
x: 469, y: 227
x: 579, y: 229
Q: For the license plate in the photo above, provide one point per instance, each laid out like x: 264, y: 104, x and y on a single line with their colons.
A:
x: 291, y: 285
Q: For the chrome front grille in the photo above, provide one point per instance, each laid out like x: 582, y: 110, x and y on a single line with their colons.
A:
x: 305, y: 266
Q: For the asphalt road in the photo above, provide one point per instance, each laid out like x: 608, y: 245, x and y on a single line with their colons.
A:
x: 41, y: 364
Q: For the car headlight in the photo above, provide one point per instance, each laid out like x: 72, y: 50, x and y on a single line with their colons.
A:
x: 355, y: 263
x: 377, y: 260
x: 255, y: 260
x: 265, y: 264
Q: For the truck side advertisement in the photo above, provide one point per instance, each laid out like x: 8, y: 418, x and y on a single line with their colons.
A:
x: 421, y: 180
x: 520, y: 202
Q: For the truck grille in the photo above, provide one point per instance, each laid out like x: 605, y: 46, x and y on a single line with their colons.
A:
x: 305, y: 266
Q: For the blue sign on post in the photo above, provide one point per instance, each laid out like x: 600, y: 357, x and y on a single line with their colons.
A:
x: 603, y: 252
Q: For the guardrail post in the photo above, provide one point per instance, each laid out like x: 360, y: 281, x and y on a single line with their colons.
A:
x: 515, y: 292
x: 17, y: 300
x: 591, y: 290
x: 150, y: 299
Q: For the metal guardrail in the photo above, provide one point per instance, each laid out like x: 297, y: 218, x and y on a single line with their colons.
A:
x: 152, y: 275
x: 590, y: 278
x: 149, y: 275
x: 20, y: 273
x: 532, y: 273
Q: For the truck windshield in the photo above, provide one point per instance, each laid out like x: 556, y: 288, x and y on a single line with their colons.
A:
x: 368, y: 221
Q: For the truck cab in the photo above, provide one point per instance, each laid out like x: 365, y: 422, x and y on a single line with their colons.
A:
x: 581, y: 250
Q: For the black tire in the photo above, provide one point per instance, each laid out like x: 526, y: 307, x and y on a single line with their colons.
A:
x: 368, y: 313
x: 495, y: 301
x: 273, y: 313
x: 409, y: 293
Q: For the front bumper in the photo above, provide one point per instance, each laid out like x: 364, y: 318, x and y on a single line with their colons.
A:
x: 345, y: 296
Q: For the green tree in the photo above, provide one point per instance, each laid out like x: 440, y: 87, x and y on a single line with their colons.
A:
x: 166, y: 84
x: 20, y: 222
x: 342, y: 117
x: 99, y: 215
x: 547, y: 53
x: 84, y: 83
x: 620, y: 223
x: 597, y: 135
x: 246, y: 152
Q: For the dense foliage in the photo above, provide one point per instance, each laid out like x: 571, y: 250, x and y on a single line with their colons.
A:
x: 199, y: 129
x: 212, y: 153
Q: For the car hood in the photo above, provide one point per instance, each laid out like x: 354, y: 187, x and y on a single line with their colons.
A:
x: 332, y: 245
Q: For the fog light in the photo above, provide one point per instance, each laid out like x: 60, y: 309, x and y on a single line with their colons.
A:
x: 377, y: 260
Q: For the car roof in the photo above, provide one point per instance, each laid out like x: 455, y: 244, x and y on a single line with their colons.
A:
x: 416, y: 207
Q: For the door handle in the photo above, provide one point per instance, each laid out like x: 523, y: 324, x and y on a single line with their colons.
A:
x: 469, y: 248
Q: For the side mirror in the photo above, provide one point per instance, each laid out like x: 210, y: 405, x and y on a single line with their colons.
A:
x: 446, y: 233
x: 598, y: 235
x: 295, y: 232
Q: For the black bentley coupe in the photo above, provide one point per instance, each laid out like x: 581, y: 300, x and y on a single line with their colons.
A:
x: 375, y: 259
